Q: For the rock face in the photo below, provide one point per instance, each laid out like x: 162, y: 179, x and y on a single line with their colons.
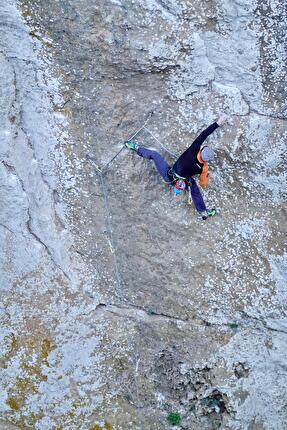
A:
x: 119, y: 305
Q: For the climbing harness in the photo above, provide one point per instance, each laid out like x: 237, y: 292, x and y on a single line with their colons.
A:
x: 179, y: 182
x: 175, y: 176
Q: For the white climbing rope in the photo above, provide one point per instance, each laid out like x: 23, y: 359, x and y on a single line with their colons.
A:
x: 161, y: 144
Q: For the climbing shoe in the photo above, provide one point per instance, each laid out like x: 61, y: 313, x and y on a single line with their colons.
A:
x: 208, y: 213
x: 131, y: 145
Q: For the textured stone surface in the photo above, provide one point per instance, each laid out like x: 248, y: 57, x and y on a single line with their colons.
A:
x: 118, y: 304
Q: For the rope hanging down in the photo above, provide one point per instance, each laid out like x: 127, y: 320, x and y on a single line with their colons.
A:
x: 120, y: 287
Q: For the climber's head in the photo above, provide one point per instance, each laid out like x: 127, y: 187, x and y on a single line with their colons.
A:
x: 179, y: 186
x: 206, y: 153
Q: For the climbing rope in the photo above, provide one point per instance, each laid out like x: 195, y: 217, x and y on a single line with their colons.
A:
x: 132, y: 345
x: 143, y: 127
x: 101, y: 171
x: 130, y: 138
x: 161, y: 144
x: 103, y: 181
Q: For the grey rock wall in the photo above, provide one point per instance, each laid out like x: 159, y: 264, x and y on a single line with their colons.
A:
x: 118, y: 304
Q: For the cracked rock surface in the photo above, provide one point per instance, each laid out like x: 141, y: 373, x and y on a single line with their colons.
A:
x: 119, y: 306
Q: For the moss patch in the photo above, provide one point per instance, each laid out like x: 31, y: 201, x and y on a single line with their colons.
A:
x: 173, y: 418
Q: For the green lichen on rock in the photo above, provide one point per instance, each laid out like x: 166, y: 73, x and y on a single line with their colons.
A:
x: 174, y: 418
x: 233, y: 326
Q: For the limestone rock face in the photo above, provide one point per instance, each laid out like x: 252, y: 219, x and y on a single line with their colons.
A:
x: 119, y: 305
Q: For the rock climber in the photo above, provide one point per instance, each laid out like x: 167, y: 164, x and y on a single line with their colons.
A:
x: 192, y: 162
